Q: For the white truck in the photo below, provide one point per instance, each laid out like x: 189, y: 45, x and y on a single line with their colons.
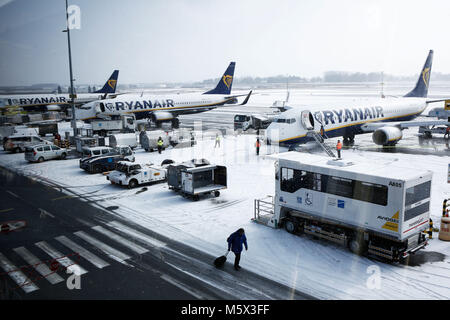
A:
x: 131, y: 174
x: 379, y: 209
x: 126, y: 123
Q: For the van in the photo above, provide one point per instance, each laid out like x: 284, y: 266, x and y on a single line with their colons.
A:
x: 41, y: 152
x: 19, y: 143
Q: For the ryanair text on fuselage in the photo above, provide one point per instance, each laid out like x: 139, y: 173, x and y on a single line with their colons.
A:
x: 36, y: 101
x: 343, y: 115
x: 142, y: 105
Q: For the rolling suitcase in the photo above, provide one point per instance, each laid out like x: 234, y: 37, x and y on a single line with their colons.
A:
x: 220, y: 261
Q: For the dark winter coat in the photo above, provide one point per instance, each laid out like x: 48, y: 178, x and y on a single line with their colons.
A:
x: 235, y: 242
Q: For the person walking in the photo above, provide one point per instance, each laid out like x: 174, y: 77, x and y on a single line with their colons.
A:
x: 217, y: 141
x: 160, y: 144
x: 235, y: 243
x: 257, y: 145
x: 338, y: 148
x: 447, y: 132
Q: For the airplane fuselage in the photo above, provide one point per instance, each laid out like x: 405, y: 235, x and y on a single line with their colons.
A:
x: 146, y: 106
x: 36, y: 100
x: 342, y: 121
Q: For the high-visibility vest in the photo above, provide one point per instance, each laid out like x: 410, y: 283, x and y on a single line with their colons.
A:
x: 160, y: 143
x: 339, y: 146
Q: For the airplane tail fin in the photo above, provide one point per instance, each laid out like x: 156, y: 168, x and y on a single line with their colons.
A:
x: 110, y: 85
x: 421, y: 88
x: 225, y: 83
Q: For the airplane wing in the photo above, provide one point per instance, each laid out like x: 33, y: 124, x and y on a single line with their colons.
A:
x: 241, y: 95
x: 370, y: 127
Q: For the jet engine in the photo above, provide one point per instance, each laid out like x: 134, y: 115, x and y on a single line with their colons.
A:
x: 387, y: 136
x: 161, y: 116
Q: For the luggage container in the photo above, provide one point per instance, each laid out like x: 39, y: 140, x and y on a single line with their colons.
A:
x: 193, y: 181
x: 125, y: 139
x: 149, y: 140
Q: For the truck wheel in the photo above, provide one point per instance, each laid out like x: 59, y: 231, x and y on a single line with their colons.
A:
x: 167, y: 161
x: 290, y: 226
x: 17, y: 150
x: 63, y: 156
x: 216, y: 193
x: 132, y: 184
x: 196, y: 197
x: 98, y: 168
x: 41, y: 159
x: 357, y: 245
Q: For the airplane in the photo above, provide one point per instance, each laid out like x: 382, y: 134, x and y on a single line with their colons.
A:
x: 162, y: 108
x: 384, y: 117
x: 54, y: 101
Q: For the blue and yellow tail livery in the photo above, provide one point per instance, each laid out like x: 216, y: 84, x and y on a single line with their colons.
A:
x: 110, y: 85
x: 225, y: 83
x: 421, y: 88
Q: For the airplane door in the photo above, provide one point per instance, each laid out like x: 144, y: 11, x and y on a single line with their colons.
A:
x: 307, y: 120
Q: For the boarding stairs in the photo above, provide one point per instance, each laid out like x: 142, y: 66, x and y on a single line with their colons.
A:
x: 321, y: 141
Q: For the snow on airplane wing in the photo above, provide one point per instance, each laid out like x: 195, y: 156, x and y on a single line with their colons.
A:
x: 369, y: 127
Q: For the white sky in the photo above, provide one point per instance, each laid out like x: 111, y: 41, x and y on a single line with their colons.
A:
x: 192, y: 40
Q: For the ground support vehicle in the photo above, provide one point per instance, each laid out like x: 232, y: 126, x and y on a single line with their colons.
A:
x: 379, y: 209
x: 133, y: 174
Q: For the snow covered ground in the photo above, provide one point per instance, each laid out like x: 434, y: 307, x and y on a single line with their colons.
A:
x: 316, y: 267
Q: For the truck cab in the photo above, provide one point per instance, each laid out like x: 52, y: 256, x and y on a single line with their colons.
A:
x: 132, y: 174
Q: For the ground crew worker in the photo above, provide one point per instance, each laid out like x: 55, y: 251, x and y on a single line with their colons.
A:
x: 257, y: 145
x: 192, y: 139
x: 430, y: 230
x: 338, y: 148
x: 217, y: 141
x: 447, y: 132
x: 235, y: 242
x: 160, y: 144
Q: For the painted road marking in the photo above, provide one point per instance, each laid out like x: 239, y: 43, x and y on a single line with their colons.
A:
x: 89, y: 256
x: 127, y: 243
x: 6, y: 210
x: 40, y: 266
x: 109, y: 251
x: 45, y: 213
x: 136, y: 234
x: 181, y: 286
x: 18, y: 277
x: 13, y: 194
x: 63, y: 197
x: 62, y: 259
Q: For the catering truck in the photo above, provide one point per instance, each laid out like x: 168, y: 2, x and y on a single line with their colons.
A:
x: 374, y: 208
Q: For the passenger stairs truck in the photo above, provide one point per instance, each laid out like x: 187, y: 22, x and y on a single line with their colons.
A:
x: 378, y: 209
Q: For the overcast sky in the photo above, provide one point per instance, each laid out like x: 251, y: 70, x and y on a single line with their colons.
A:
x: 192, y: 40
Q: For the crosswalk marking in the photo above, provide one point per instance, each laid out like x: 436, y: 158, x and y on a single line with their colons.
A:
x: 39, y: 266
x: 127, y: 243
x: 111, y: 252
x: 27, y: 284
x: 18, y: 277
x: 136, y: 234
x: 63, y: 260
x: 89, y: 256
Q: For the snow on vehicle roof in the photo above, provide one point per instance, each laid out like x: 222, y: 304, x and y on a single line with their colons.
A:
x: 385, y: 169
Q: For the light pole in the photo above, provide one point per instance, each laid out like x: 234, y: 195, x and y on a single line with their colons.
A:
x: 72, y: 95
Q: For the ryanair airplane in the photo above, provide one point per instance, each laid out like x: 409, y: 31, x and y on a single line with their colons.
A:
x: 385, y: 117
x: 162, y: 108
x: 53, y: 102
